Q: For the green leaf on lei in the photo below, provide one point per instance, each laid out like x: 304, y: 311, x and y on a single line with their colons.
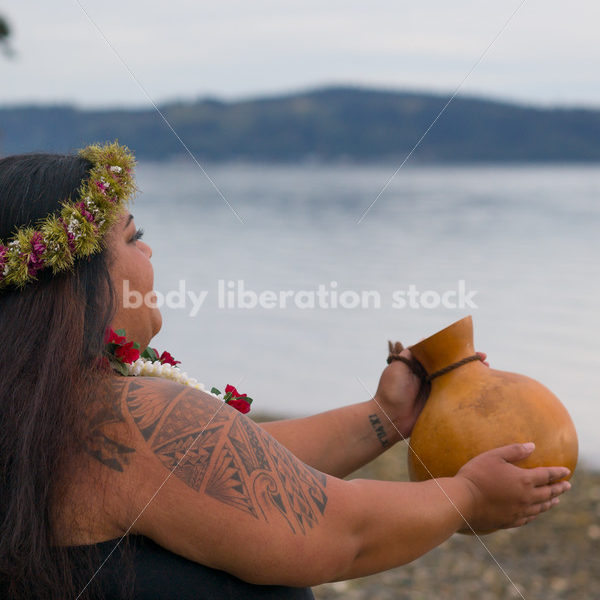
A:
x: 149, y: 354
x: 119, y: 366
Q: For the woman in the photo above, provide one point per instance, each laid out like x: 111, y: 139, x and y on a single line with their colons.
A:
x: 207, y: 503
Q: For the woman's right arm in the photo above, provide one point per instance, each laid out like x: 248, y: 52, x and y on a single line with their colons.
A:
x: 207, y: 483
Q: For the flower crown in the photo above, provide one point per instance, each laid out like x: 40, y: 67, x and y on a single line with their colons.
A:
x: 57, y: 240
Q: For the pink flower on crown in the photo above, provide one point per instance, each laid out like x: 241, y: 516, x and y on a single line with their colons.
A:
x: 83, y: 210
x: 3, y: 253
x: 35, y: 262
x: 102, y: 186
x: 70, y: 236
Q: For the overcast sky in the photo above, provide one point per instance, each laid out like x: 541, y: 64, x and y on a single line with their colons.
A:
x: 548, y: 54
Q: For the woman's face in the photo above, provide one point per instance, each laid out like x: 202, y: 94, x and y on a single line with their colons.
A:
x: 132, y: 276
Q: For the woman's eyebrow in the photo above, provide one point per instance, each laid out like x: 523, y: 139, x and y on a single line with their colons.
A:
x: 129, y: 219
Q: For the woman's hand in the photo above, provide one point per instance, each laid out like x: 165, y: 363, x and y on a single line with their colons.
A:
x: 398, y: 395
x: 505, y: 495
x: 402, y: 395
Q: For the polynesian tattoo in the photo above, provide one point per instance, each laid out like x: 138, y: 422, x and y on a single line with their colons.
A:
x: 108, y: 451
x: 223, y: 454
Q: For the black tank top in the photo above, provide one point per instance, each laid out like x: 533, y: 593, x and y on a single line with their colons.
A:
x: 158, y: 574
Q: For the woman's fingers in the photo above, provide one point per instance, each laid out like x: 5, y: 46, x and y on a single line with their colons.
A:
x: 532, y: 512
x: 544, y: 498
x: 547, y: 475
x: 483, y: 356
x: 549, y: 492
x: 507, y: 495
x: 520, y: 522
x: 556, y: 489
x: 537, y: 509
x: 514, y: 452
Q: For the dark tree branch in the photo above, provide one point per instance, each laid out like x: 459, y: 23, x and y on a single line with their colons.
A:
x: 4, y: 35
x: 4, y: 29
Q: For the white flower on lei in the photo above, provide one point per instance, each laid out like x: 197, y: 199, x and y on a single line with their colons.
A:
x: 143, y: 367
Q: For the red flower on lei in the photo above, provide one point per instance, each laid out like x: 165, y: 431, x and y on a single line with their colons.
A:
x: 120, y: 352
x: 110, y: 337
x: 236, y: 400
x: 127, y: 353
x: 166, y: 358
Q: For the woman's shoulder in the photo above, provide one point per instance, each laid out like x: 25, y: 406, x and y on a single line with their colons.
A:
x: 145, y: 383
x: 128, y: 451
x: 99, y: 498
x: 205, y: 482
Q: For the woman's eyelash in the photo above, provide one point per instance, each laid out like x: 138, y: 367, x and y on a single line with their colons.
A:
x: 139, y: 233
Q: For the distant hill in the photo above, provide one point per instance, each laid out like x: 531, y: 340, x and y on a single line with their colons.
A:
x: 330, y: 124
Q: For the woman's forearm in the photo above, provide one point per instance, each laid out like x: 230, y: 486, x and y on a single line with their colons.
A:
x: 403, y: 521
x: 339, y: 441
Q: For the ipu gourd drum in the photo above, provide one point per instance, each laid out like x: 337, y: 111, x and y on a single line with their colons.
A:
x: 473, y: 408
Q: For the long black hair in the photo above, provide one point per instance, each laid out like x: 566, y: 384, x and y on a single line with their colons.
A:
x: 51, y: 336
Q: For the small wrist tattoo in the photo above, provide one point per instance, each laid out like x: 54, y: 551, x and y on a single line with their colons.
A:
x: 378, y: 428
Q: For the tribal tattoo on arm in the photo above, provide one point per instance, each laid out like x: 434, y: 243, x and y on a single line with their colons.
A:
x: 99, y: 444
x: 226, y: 456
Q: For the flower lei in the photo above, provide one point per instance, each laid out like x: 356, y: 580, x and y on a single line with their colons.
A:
x: 125, y: 358
x: 76, y: 232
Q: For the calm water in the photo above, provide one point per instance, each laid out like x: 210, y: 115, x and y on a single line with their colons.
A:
x: 523, y: 240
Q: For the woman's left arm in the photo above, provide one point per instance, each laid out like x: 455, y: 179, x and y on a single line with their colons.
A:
x: 339, y: 441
